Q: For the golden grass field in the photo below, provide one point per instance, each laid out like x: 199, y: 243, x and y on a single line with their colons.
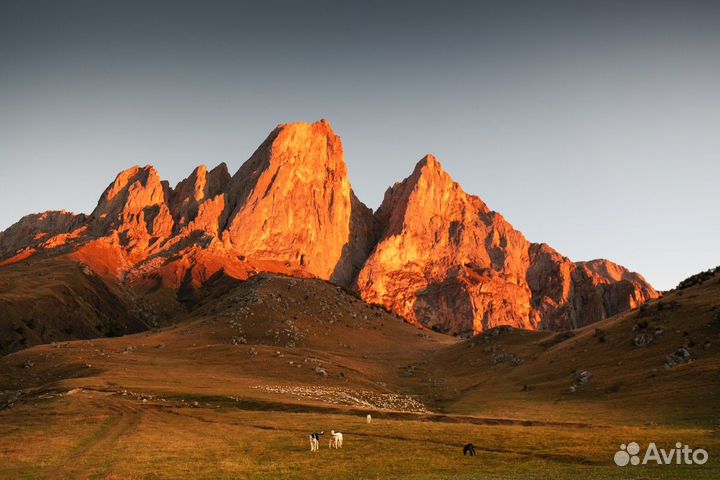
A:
x: 93, y: 435
x: 191, y: 401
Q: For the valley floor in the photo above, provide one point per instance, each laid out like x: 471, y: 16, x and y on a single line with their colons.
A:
x: 103, y: 435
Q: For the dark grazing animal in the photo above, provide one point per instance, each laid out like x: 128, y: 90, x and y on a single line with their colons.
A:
x: 315, y: 441
x: 469, y: 449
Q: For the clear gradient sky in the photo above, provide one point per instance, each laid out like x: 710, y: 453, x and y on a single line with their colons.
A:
x: 593, y: 126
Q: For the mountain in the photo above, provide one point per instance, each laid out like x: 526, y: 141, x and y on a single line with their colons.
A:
x: 446, y: 261
x: 431, y: 253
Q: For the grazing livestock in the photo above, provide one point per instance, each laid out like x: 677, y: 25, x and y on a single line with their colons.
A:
x: 469, y: 449
x: 315, y: 441
x: 336, y: 440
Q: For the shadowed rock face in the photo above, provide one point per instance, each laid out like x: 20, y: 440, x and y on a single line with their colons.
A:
x: 444, y: 260
x: 431, y: 253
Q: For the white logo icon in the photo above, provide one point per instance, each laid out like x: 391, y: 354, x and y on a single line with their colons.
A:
x: 627, y: 454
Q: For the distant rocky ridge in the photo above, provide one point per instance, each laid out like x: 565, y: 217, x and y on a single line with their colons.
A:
x: 445, y: 260
x: 431, y: 253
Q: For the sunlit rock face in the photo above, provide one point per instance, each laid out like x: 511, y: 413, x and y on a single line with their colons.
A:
x: 432, y: 253
x: 197, y: 202
x: 446, y: 261
x: 134, y: 208
x: 292, y: 203
x: 288, y: 209
x: 35, y: 230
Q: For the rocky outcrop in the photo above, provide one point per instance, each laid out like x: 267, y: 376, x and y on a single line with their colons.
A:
x: 571, y: 295
x: 36, y: 229
x: 198, y: 202
x: 431, y: 253
x: 292, y: 203
x: 446, y: 261
x: 609, y: 289
x: 134, y: 208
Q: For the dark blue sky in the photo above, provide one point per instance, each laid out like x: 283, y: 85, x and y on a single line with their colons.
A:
x: 591, y: 125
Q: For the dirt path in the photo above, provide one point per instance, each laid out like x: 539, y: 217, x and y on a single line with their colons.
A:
x: 102, y: 441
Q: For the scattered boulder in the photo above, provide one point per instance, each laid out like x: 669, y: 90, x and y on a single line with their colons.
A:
x: 409, y: 371
x: 507, y: 358
x: 582, y: 377
x: 320, y: 371
x: 681, y: 355
x: 643, y: 339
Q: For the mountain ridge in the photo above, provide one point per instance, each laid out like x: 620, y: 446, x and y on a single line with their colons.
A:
x: 431, y: 252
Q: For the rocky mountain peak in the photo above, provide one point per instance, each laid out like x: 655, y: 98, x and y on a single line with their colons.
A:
x: 432, y: 253
x: 446, y: 261
x: 292, y: 203
x: 198, y: 202
x: 132, y: 191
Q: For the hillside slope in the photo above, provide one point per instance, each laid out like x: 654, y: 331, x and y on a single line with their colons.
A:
x: 270, y: 331
x: 659, y: 363
x: 50, y: 300
x: 286, y: 340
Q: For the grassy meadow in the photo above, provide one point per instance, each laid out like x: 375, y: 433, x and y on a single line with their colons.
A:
x: 97, y: 435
